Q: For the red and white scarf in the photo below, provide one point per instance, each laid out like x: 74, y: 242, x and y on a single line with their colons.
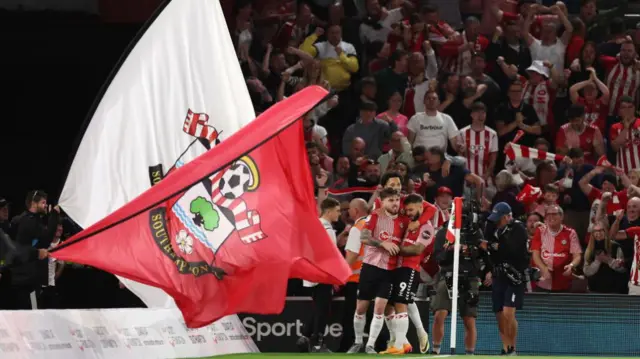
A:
x: 513, y: 151
x: 539, y: 98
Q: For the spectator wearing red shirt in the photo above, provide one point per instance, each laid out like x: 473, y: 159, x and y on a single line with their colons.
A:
x: 596, y: 105
x: 577, y: 40
x: 578, y: 134
x: 624, y: 136
x: 618, y: 200
x: 556, y: 252
x: 456, y: 53
x: 439, y: 32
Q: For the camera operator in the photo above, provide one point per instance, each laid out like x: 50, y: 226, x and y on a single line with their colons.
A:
x: 510, y: 259
x: 469, y: 280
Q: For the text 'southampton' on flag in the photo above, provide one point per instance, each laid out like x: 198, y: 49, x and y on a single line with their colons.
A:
x: 245, y: 208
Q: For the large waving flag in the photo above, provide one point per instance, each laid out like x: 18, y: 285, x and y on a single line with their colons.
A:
x: 225, y: 232
x: 177, y: 93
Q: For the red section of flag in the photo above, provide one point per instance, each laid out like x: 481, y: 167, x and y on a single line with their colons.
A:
x: 256, y: 219
x: 455, y: 221
x: 529, y: 194
x: 518, y: 136
x: 604, y: 162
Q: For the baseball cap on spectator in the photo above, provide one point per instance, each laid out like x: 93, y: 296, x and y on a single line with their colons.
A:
x: 499, y: 210
x: 575, y: 110
x: 3, y: 203
x: 445, y: 190
x: 478, y: 106
x: 538, y: 66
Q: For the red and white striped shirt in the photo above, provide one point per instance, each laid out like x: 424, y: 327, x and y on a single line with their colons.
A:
x: 384, y: 228
x: 556, y: 250
x: 460, y: 62
x: 479, y: 145
x: 634, y: 277
x: 569, y: 138
x: 622, y: 81
x: 541, y: 97
x: 628, y: 156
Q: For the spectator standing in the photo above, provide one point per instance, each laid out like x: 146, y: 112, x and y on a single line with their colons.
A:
x: 624, y: 136
x: 556, y: 252
x: 313, y: 337
x: 400, y: 152
x: 373, y: 131
x: 338, y: 58
x: 515, y: 114
x: 393, y: 114
x: 432, y: 128
x: 623, y: 78
x: 392, y: 79
x: 511, y: 47
x: 549, y: 47
x: 480, y: 143
x: 29, y: 278
x: 578, y: 134
x: 456, y: 54
x: 354, y: 252
x: 596, y: 104
x: 574, y: 201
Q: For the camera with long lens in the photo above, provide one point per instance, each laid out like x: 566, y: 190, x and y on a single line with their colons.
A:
x: 471, y: 236
x: 508, y: 271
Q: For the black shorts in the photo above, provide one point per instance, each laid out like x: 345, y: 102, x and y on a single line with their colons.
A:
x: 505, y: 294
x: 405, y: 285
x: 374, y: 283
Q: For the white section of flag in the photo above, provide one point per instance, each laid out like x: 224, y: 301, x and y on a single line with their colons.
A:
x: 185, y: 60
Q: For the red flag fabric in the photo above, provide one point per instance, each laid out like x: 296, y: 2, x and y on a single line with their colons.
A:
x: 246, y: 207
x: 529, y: 195
x: 604, y: 162
x: 455, y: 221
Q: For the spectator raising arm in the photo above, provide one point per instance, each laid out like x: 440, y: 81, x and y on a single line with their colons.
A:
x: 585, y: 184
x: 308, y: 43
x: 349, y: 62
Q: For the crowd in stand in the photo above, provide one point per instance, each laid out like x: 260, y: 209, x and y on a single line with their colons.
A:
x: 527, y: 102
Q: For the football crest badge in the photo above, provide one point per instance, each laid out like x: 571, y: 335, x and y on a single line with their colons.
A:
x: 193, y: 226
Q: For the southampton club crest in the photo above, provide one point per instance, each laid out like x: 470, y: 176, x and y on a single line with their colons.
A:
x: 193, y: 227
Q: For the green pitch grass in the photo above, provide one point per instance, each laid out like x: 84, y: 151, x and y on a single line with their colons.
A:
x: 345, y: 356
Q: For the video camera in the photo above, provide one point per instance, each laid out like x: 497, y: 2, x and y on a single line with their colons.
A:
x: 471, y: 235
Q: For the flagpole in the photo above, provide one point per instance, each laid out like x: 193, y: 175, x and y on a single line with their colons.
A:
x: 454, y: 295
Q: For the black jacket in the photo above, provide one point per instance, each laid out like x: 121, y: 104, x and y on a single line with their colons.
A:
x: 511, y: 243
x: 31, y: 233
x: 470, y: 264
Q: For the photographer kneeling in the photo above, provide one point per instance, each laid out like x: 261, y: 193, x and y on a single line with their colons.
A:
x: 469, y: 281
x: 510, y: 260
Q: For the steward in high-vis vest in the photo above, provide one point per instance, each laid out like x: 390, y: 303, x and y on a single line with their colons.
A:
x: 354, y: 250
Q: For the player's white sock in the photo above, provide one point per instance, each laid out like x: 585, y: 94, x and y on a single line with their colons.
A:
x: 402, y: 326
x: 389, y: 320
x: 414, y: 315
x: 374, y: 330
x: 359, y: 321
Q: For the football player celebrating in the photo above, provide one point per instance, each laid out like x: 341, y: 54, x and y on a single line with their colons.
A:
x: 393, y: 180
x: 406, y: 278
x: 381, y: 235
